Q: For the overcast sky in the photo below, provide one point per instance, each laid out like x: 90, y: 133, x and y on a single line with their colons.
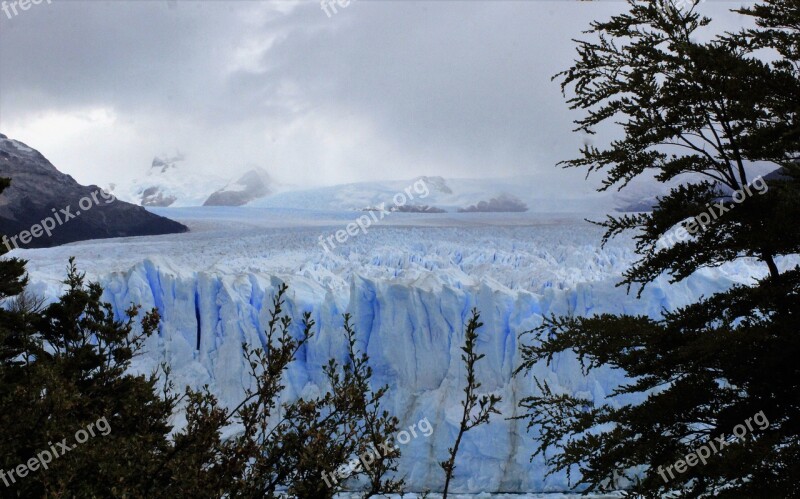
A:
x: 379, y: 90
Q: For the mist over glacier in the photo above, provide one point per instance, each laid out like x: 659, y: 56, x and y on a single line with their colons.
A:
x: 409, y: 283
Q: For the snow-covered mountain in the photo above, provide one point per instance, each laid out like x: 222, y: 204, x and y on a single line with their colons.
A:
x: 505, y: 194
x: 170, y: 181
x: 253, y: 185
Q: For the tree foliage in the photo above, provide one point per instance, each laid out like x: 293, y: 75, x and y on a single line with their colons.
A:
x: 707, y: 116
x: 477, y: 409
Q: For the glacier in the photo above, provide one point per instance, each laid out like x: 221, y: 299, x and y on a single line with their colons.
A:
x: 409, y: 284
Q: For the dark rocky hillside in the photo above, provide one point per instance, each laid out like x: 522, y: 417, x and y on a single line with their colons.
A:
x: 39, y: 191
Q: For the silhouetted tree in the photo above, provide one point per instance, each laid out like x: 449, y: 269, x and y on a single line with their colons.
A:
x: 719, y: 111
x: 307, y: 448
x: 486, y: 405
x: 67, y: 369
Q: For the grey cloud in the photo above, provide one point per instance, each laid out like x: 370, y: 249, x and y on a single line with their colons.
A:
x: 441, y: 87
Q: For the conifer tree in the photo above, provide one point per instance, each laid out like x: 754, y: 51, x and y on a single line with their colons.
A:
x: 68, y: 371
x: 709, y: 116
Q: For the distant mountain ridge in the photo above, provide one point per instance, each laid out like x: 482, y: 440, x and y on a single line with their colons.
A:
x: 39, y: 191
x: 498, y: 195
x: 642, y: 193
x: 171, y: 181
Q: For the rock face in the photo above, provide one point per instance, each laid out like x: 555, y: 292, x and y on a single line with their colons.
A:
x: 505, y: 203
x: 252, y: 185
x: 418, y: 208
x: 44, y: 207
x: 152, y: 196
x: 438, y: 183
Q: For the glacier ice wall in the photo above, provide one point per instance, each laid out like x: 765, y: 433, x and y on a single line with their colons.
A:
x: 409, y: 289
x: 412, y: 330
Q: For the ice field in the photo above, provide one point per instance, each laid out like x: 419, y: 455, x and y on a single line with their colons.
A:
x: 410, y: 283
